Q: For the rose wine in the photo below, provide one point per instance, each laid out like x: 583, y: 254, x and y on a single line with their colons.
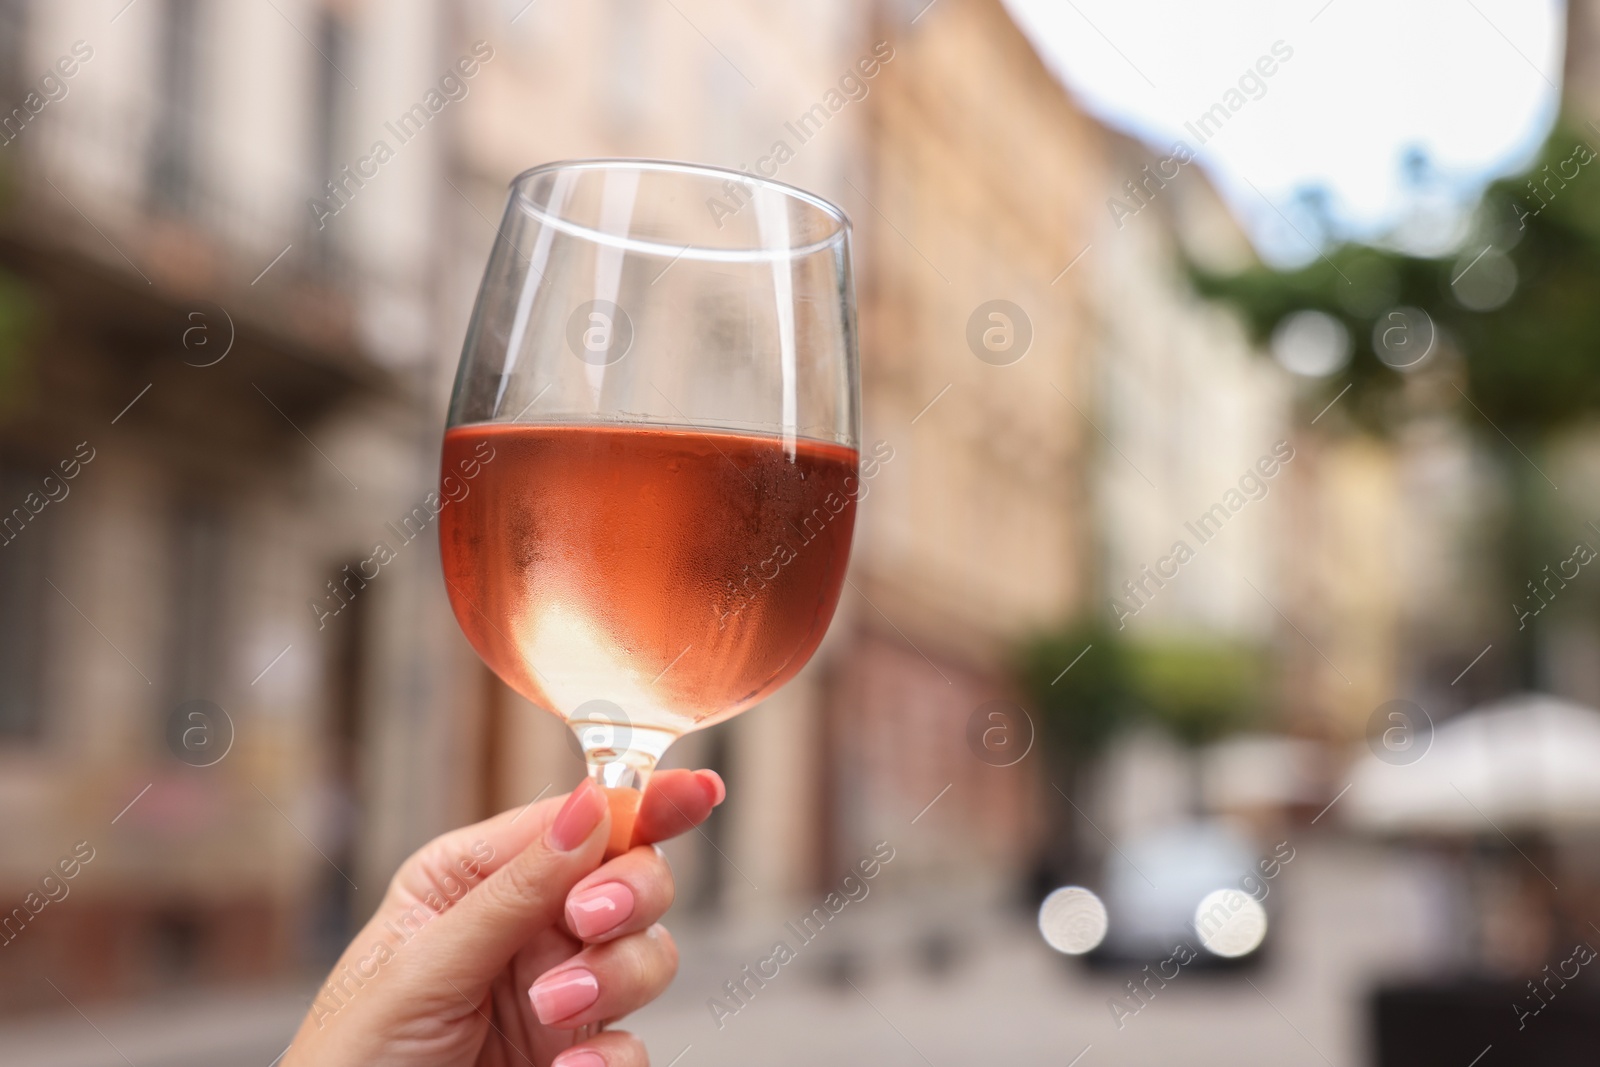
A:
x: 679, y: 575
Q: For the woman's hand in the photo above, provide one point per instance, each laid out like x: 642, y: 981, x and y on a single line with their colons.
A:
x: 496, y: 942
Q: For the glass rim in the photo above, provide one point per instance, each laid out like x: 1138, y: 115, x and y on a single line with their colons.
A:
x: 707, y: 428
x: 839, y: 234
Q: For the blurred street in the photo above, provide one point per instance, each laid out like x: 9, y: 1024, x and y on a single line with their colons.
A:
x: 1355, y: 912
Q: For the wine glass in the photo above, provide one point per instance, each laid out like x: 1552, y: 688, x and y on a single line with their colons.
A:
x: 650, y: 467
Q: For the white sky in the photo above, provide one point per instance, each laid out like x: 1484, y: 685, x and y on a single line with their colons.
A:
x: 1471, y: 82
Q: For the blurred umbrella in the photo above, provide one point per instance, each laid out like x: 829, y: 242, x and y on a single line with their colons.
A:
x: 1524, y: 763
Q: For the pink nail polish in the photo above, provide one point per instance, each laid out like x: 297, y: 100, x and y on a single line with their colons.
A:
x: 598, y: 909
x: 713, y: 782
x: 563, y: 994
x: 578, y: 817
x: 580, y: 1057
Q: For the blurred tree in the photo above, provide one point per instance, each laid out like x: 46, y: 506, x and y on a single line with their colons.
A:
x: 1196, y: 689
x: 1514, y: 336
x: 1081, y: 709
x: 17, y: 317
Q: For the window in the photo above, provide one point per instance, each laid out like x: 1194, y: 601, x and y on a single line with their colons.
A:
x: 198, y: 585
x: 172, y: 157
x: 328, y: 101
x: 13, y: 50
x: 23, y: 593
x: 627, y: 77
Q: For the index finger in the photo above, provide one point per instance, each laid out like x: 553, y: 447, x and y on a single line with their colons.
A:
x: 674, y: 802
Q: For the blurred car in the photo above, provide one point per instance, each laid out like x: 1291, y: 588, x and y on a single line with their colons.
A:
x: 1156, y: 884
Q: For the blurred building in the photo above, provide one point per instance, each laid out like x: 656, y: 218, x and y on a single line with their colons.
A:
x: 1322, y: 561
x: 239, y: 246
x: 974, y: 202
x: 1189, y: 408
x: 1230, y: 509
x: 244, y: 390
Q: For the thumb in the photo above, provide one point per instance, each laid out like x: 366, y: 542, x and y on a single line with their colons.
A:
x: 473, y: 941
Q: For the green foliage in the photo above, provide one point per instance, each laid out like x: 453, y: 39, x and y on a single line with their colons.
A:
x: 18, y: 317
x: 1531, y: 365
x: 18, y: 313
x: 1198, y: 689
x: 1081, y: 709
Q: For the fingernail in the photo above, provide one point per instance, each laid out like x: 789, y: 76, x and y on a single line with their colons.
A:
x: 598, y: 909
x: 578, y: 817
x: 560, y: 996
x: 579, y: 1057
x: 713, y: 782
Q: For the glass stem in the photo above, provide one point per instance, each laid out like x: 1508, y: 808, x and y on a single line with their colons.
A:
x: 624, y: 779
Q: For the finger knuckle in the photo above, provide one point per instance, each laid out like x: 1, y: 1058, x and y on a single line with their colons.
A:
x: 668, y: 947
x: 645, y: 963
x: 519, y: 884
x: 622, y: 1049
x: 659, y: 883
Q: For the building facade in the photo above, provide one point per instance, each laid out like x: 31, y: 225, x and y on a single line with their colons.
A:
x: 215, y: 396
